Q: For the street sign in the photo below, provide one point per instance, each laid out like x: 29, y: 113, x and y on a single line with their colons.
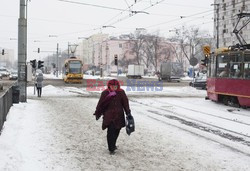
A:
x: 193, y: 61
x: 206, y: 50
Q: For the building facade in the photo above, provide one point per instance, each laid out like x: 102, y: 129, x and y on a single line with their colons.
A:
x: 98, y: 53
x: 225, y: 20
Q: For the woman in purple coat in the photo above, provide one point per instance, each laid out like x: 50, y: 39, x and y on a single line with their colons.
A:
x: 112, y: 104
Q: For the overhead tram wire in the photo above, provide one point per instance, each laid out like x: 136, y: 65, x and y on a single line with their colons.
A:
x: 106, y: 23
x: 69, y: 33
x: 131, y: 15
x: 177, y: 19
x: 180, y: 5
x: 124, y: 18
x: 99, y: 6
x: 118, y: 33
x: 93, y: 5
x: 144, y: 27
x: 127, y: 3
x: 109, y: 8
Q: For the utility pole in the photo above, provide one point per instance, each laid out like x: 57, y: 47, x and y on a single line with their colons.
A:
x: 57, y: 55
x: 22, y: 50
x: 107, y: 58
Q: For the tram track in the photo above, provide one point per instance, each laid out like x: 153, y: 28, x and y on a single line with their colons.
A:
x: 209, y: 114
x: 198, y: 124
x: 203, y: 136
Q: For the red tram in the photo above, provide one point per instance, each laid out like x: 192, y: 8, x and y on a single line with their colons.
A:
x: 229, y: 70
x: 229, y: 77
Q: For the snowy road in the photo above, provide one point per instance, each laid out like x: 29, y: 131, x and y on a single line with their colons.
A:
x: 59, y: 132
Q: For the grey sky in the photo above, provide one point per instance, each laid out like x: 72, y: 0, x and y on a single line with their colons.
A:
x: 70, y: 20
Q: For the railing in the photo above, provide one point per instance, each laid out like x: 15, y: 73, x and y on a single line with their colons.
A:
x: 5, y: 105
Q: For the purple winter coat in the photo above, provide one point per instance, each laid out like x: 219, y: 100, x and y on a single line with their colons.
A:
x: 112, y: 107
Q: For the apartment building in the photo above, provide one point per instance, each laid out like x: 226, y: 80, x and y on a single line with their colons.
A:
x: 225, y: 17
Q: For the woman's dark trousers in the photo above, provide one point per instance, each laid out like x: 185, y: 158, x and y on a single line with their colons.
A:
x: 39, y: 91
x: 112, y: 135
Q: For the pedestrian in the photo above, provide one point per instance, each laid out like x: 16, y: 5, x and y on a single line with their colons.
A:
x: 39, y: 84
x: 112, y: 104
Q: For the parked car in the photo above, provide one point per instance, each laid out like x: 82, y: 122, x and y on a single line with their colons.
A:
x: 199, y: 82
x: 13, y: 75
x: 4, y: 72
x: 89, y: 72
x: 97, y: 73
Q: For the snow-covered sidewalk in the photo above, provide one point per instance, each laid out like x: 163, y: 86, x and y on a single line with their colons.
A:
x: 59, y: 132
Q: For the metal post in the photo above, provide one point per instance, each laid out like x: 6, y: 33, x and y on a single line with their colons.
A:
x: 68, y: 50
x: 57, y: 55
x: 22, y: 51
x: 117, y: 68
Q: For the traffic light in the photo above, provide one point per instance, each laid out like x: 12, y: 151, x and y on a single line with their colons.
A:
x: 116, y: 60
x: 33, y: 63
x: 38, y: 50
x: 40, y: 64
x: 2, y: 51
x: 204, y: 61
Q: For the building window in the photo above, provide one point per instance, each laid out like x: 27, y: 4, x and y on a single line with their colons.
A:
x: 233, y: 3
x: 225, y: 30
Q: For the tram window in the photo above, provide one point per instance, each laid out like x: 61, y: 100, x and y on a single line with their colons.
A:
x: 222, y: 65
x: 247, y: 66
x: 247, y: 57
x: 236, y: 68
x: 211, y: 66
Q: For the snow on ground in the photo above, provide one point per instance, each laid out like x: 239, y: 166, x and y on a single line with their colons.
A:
x: 58, y: 132
x: 98, y: 77
x: 52, y: 76
x: 155, y: 91
x: 187, y: 78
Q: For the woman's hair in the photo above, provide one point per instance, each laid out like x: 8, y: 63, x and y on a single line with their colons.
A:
x: 113, y: 82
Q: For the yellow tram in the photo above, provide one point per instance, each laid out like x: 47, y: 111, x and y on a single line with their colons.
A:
x: 72, y: 72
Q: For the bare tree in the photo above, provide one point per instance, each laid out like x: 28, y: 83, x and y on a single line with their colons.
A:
x: 153, y: 49
x: 137, y: 40
x: 189, y: 40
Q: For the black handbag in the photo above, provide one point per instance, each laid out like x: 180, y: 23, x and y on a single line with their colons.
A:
x: 130, y: 124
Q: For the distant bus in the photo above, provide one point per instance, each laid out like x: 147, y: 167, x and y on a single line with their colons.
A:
x: 73, y: 70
